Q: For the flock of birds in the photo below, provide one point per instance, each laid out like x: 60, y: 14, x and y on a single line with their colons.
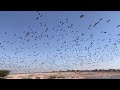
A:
x: 56, y: 47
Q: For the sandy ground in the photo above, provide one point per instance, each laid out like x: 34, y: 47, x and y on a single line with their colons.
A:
x: 67, y: 75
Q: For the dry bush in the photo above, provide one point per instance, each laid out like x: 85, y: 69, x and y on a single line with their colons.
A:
x: 61, y: 77
x: 37, y: 77
x: 52, y: 77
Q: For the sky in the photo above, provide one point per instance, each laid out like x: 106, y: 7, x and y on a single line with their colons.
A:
x: 42, y: 41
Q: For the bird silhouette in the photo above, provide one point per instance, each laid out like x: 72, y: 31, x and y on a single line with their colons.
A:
x: 81, y: 16
x: 96, y: 24
x: 52, y: 43
x: 37, y: 18
x: 100, y: 19
x: 108, y: 20
x: 118, y: 25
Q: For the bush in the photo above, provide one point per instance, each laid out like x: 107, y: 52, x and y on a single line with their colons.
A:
x: 68, y: 70
x: 52, y: 77
x: 37, y: 78
x: 4, y: 73
x: 61, y: 77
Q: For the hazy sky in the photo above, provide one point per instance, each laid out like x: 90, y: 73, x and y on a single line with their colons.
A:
x: 54, y: 41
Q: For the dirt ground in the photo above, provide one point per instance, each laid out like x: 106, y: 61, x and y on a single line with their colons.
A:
x: 67, y: 75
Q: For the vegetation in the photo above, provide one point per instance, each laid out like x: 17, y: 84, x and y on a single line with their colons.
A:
x: 4, y: 73
x: 52, y: 77
x: 61, y: 77
x: 37, y: 78
x: 95, y: 70
x: 27, y: 78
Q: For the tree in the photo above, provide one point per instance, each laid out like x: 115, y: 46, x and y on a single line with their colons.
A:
x: 4, y: 73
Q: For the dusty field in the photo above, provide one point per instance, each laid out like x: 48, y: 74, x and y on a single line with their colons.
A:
x: 67, y: 75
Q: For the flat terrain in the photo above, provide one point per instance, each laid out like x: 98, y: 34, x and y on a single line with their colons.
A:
x: 68, y: 75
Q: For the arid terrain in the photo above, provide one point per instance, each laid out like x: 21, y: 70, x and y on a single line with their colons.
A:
x: 68, y: 75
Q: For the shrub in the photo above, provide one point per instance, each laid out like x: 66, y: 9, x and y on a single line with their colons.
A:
x: 52, y: 77
x: 37, y: 78
x: 68, y: 70
x: 61, y: 77
x: 4, y: 73
x: 72, y: 70
x: 95, y: 70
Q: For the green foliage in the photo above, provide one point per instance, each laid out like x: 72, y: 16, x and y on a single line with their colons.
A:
x: 4, y: 73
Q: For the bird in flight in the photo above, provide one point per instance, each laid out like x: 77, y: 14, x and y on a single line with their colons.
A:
x: 96, y: 24
x: 81, y: 16
x: 101, y: 19
x: 108, y: 20
x: 37, y: 18
x: 118, y: 25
